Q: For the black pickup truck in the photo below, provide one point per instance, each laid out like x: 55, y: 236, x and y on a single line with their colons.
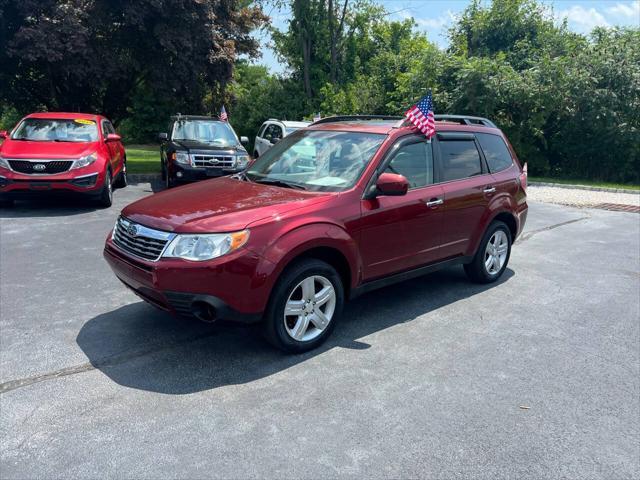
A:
x: 198, y: 147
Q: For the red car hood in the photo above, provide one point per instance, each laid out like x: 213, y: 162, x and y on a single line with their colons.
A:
x: 48, y: 150
x: 218, y: 205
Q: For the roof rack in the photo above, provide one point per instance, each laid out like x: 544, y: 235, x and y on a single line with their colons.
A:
x: 466, y: 120
x: 352, y: 118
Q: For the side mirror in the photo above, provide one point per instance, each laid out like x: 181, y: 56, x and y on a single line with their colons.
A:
x: 392, y: 185
x: 113, y: 137
x: 244, y: 140
x: 3, y: 134
x: 163, y: 137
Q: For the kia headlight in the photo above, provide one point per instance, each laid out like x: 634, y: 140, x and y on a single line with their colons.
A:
x: 85, y: 161
x: 242, y: 161
x: 182, y: 157
x: 4, y: 163
x: 206, y: 246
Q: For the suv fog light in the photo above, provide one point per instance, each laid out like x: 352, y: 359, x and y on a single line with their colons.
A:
x: 179, y: 174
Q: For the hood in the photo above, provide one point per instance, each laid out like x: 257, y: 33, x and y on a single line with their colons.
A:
x: 197, y: 145
x: 218, y: 205
x: 46, y: 150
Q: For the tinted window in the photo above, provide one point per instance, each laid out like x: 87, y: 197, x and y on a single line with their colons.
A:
x: 460, y: 159
x: 277, y: 133
x: 268, y: 134
x: 262, y: 129
x: 495, y: 151
x: 415, y: 162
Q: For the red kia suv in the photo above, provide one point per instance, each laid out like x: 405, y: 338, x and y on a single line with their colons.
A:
x: 334, y: 210
x: 62, y: 152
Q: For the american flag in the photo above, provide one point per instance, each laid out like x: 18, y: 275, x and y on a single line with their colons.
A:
x: 223, y: 114
x: 421, y: 115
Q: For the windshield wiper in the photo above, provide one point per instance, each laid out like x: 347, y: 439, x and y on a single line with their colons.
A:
x: 280, y: 183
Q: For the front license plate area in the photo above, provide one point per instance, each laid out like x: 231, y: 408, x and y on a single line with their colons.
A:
x: 213, y: 172
x: 40, y: 186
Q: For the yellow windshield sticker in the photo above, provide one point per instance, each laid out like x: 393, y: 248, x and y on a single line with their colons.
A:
x: 84, y: 122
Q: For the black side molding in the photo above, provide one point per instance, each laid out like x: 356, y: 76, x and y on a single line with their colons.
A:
x: 408, y: 275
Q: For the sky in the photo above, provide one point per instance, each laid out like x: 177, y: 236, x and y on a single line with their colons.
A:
x: 434, y: 17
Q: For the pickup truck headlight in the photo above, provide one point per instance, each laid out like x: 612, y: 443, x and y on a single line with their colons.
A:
x: 242, y: 161
x: 84, y: 161
x: 4, y: 164
x: 205, y: 247
x: 182, y: 157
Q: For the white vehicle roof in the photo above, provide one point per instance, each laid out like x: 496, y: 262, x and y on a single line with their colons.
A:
x: 291, y: 124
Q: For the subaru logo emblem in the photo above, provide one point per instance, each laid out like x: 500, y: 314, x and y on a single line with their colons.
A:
x: 39, y: 167
x: 132, y: 230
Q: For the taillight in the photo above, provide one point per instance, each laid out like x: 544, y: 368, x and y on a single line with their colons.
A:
x: 523, y: 177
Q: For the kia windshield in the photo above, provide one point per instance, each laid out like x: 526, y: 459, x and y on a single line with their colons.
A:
x: 316, y: 160
x: 216, y: 133
x: 56, y: 130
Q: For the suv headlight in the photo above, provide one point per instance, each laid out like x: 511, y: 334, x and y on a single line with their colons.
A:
x: 182, y: 157
x: 84, y: 161
x: 242, y: 161
x: 205, y: 247
x: 4, y: 164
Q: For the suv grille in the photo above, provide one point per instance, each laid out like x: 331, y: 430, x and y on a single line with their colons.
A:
x: 50, y: 166
x: 219, y: 161
x: 139, y: 240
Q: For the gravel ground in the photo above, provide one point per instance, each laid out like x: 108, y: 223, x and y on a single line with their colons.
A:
x: 568, y: 196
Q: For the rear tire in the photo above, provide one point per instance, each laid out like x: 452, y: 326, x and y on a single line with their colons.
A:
x: 492, y: 257
x: 312, y: 294
x: 106, y: 196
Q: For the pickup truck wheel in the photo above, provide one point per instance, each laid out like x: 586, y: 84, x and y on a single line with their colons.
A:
x: 492, y: 257
x: 305, y: 305
x: 106, y: 196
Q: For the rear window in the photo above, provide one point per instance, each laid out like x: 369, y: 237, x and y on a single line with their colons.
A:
x: 460, y: 159
x: 495, y: 151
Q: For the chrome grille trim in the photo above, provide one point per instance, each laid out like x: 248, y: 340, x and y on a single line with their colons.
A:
x: 202, y: 160
x: 148, y: 243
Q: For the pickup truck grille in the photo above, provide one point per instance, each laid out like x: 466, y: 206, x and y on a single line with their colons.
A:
x: 219, y: 161
x: 50, y: 166
x: 139, y: 240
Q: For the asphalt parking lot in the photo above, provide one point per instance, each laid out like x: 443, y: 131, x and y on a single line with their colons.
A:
x: 537, y: 376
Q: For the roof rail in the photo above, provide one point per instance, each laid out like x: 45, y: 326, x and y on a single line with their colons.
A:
x: 466, y: 120
x: 351, y: 118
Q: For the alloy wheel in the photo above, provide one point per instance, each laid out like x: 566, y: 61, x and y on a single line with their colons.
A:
x: 495, y: 255
x: 309, y: 308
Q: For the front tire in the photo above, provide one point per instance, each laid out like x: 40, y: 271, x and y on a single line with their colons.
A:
x: 122, y: 182
x: 305, y: 305
x: 492, y: 257
x: 106, y: 196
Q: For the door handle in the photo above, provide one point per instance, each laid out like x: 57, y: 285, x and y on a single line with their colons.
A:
x: 434, y: 202
x: 489, y: 190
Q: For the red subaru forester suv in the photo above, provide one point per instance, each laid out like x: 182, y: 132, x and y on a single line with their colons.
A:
x: 342, y: 207
x: 62, y: 153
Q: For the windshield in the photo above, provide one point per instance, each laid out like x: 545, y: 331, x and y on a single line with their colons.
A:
x: 206, y: 131
x: 56, y: 130
x: 316, y: 160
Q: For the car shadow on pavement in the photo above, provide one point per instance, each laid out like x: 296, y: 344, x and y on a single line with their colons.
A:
x: 140, y: 347
x: 49, y: 207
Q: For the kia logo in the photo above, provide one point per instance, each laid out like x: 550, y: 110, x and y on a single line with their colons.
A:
x: 39, y: 167
x: 132, y: 230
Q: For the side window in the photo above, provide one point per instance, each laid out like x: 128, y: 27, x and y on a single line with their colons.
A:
x: 268, y: 134
x: 460, y: 159
x: 415, y: 162
x: 277, y: 133
x: 110, y: 128
x: 105, y: 129
x: 495, y: 151
x: 261, y: 131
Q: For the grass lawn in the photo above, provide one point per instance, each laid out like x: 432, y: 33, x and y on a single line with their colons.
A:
x: 590, y: 183
x: 143, y: 158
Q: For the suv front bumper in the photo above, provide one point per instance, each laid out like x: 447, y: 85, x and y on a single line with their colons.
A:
x: 234, y: 286
x: 186, y: 173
